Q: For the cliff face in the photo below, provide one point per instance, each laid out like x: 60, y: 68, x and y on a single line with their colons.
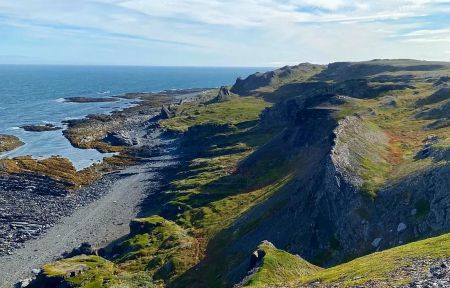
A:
x: 347, y: 159
x: 358, y: 186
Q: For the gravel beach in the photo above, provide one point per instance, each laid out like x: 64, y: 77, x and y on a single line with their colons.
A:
x: 39, y: 221
x: 98, y: 223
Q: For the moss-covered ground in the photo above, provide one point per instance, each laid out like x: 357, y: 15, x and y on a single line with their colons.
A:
x: 211, y: 191
x: 204, y: 197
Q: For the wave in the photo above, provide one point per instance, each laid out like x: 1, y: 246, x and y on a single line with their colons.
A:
x: 103, y: 92
x: 60, y: 100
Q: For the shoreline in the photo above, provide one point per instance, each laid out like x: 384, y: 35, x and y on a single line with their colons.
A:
x: 92, y: 218
x: 97, y: 222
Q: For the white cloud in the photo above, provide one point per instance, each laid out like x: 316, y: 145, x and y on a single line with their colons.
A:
x: 247, y: 32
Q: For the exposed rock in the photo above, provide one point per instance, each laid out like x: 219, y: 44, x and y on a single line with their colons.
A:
x: 432, y: 149
x: 441, y: 111
x: 224, y: 95
x: 40, y: 128
x: 165, y: 112
x: 142, y: 225
x: 256, y: 258
x: 388, y: 103
x: 24, y: 283
x: 401, y: 227
x: 9, y: 142
x: 121, y: 138
x: 84, y: 249
x: 440, y: 123
x: 376, y: 242
x: 442, y: 81
x: 438, y: 274
x: 82, y: 99
x: 438, y: 96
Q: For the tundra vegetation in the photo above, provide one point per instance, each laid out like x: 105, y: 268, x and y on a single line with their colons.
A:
x: 299, y: 179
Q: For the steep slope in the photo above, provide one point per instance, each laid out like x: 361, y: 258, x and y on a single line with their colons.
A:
x: 419, y: 264
x: 343, y: 164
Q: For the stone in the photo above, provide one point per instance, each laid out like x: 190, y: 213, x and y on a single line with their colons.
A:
x: 120, y: 138
x: 24, y: 283
x: 40, y: 128
x: 224, y: 94
x: 376, y: 242
x: 388, y: 103
x: 91, y: 99
x: 84, y: 249
x: 165, y: 112
x: 9, y: 142
x: 401, y: 227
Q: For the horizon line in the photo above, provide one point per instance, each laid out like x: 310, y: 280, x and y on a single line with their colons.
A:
x: 132, y: 65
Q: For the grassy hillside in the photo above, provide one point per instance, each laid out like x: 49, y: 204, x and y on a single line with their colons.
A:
x: 389, y: 268
x: 341, y: 163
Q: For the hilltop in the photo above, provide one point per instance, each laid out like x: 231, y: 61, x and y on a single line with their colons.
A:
x: 298, y: 178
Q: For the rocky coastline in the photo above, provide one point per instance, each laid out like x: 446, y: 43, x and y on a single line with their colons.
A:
x: 9, y: 142
x: 34, y: 198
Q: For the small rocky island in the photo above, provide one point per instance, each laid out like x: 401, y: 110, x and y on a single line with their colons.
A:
x: 82, y: 99
x: 9, y: 142
x: 40, y: 127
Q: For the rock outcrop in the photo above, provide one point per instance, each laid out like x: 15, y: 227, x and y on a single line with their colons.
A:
x: 9, y: 142
x: 223, y: 95
x: 82, y: 99
x: 40, y: 128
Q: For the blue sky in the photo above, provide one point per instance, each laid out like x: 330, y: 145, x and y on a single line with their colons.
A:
x: 221, y: 33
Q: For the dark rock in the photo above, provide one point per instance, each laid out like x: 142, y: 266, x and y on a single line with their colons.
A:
x: 91, y: 99
x: 165, y: 112
x: 442, y: 81
x: 84, y: 249
x: 256, y: 258
x: 140, y: 227
x: 224, y: 94
x: 120, y: 138
x: 440, y: 123
x: 438, y: 96
x: 40, y: 128
x: 388, y: 103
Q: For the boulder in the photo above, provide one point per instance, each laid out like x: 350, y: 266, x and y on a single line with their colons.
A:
x: 9, y: 142
x: 388, y: 103
x: 120, y: 138
x: 224, y: 94
x: 40, y: 128
x: 165, y: 112
x: 401, y: 227
x: 376, y: 242
x: 84, y: 249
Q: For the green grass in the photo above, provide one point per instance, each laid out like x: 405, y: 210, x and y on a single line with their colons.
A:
x: 213, y: 190
x: 234, y: 111
x: 209, y: 191
x: 279, y: 267
x: 381, y: 267
x: 96, y: 271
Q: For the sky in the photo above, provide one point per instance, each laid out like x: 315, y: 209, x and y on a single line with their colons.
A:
x: 265, y: 33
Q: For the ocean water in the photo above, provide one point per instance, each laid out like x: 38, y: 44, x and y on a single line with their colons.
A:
x: 34, y: 95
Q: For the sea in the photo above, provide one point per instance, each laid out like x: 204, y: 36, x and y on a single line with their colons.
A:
x: 34, y: 94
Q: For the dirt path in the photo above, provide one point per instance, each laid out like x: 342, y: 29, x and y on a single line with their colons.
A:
x: 98, y: 223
